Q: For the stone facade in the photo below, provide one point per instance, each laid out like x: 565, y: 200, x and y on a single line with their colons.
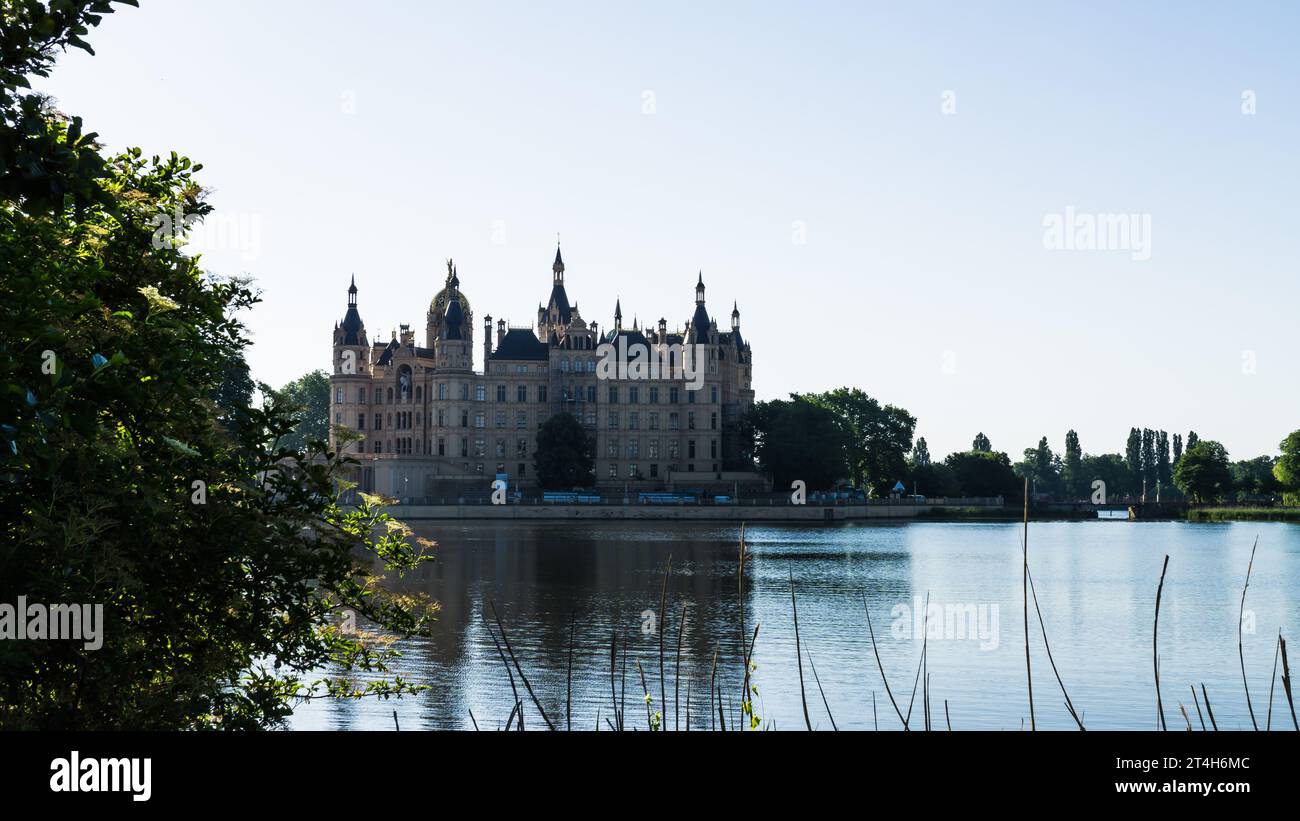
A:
x: 432, y: 425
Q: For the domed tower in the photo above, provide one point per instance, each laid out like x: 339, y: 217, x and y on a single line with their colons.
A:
x: 453, y: 347
x: 436, y: 324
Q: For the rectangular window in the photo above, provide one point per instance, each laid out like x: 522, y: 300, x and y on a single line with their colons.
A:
x: 522, y: 469
x: 713, y: 448
x: 654, y: 448
x: 338, y: 395
x: 521, y: 419
x: 480, y: 393
x: 501, y: 448
x: 521, y: 448
x: 672, y: 396
x: 501, y: 393
x: 690, y: 449
x: 674, y: 421
x: 379, y: 447
x: 713, y: 394
x: 672, y: 449
x: 361, y: 395
x: 501, y: 419
x: 654, y: 420
x: 479, y: 448
x: 442, y: 390
x: 521, y: 393
x: 713, y: 420
x: 613, y: 470
x: 338, y: 418
x: 478, y: 420
x: 631, y: 470
x: 361, y: 421
x: 633, y: 395
x: 612, y: 446
x: 634, y: 448
x: 442, y: 446
x: 613, y: 420
x: 613, y: 394
x: 541, y: 393
x: 654, y: 399
x: 654, y: 471
x: 690, y: 420
x: 633, y: 420
x: 379, y: 421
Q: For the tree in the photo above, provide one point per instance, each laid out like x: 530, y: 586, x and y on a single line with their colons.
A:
x: 565, y: 455
x: 1133, y: 458
x: 878, y: 438
x: 1253, y: 479
x: 309, y: 397
x: 1178, y: 449
x: 1111, y: 470
x: 1164, y: 467
x: 920, y: 453
x: 1203, y: 474
x: 221, y: 562
x: 1287, y: 469
x: 934, y: 479
x: 1149, y: 462
x: 981, y: 444
x: 799, y: 440
x: 984, y: 473
x: 1192, y: 439
x: 1072, y: 470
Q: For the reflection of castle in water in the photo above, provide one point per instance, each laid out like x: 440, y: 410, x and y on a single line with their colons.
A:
x: 432, y: 425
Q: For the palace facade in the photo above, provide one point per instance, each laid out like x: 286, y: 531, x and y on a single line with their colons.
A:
x: 432, y: 426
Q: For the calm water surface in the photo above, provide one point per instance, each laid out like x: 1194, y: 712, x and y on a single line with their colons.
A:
x: 1096, y: 585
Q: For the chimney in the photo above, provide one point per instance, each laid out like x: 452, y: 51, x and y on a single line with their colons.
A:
x: 487, y: 340
x: 501, y: 331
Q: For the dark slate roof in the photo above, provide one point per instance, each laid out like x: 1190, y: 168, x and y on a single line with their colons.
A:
x: 560, y: 302
x: 522, y: 343
x: 700, y: 323
x: 633, y: 337
x: 352, y: 327
x: 387, y: 356
x: 455, y: 318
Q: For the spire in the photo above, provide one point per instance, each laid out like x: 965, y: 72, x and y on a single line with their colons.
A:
x: 618, y: 314
x: 699, y: 290
x: 558, y: 266
x: 735, y: 316
x: 352, y: 292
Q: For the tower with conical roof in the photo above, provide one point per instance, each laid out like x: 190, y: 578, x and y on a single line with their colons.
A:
x: 351, y: 371
x: 553, y: 319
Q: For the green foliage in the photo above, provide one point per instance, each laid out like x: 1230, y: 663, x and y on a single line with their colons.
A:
x: 985, y: 473
x: 981, y: 444
x: 564, y: 457
x: 1110, y: 468
x: 920, y: 453
x: 1075, y: 484
x: 222, y: 560
x: 1042, y: 468
x: 799, y: 440
x: 1203, y: 474
x: 1287, y: 469
x: 1254, y: 480
x: 309, y: 398
x: 878, y: 437
x: 933, y: 479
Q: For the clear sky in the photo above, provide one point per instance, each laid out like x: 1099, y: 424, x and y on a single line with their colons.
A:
x: 870, y: 181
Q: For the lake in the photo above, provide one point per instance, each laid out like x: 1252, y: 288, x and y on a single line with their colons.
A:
x: 1096, y: 584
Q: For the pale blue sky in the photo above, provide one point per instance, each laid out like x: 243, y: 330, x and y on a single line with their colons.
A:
x: 381, y: 138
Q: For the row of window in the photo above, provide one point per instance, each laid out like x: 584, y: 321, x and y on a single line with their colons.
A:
x: 614, y: 448
x: 521, y: 394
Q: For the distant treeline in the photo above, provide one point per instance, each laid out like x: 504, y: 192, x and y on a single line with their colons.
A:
x: 847, y: 437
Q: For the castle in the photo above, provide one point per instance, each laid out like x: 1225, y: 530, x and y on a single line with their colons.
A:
x: 432, y: 426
